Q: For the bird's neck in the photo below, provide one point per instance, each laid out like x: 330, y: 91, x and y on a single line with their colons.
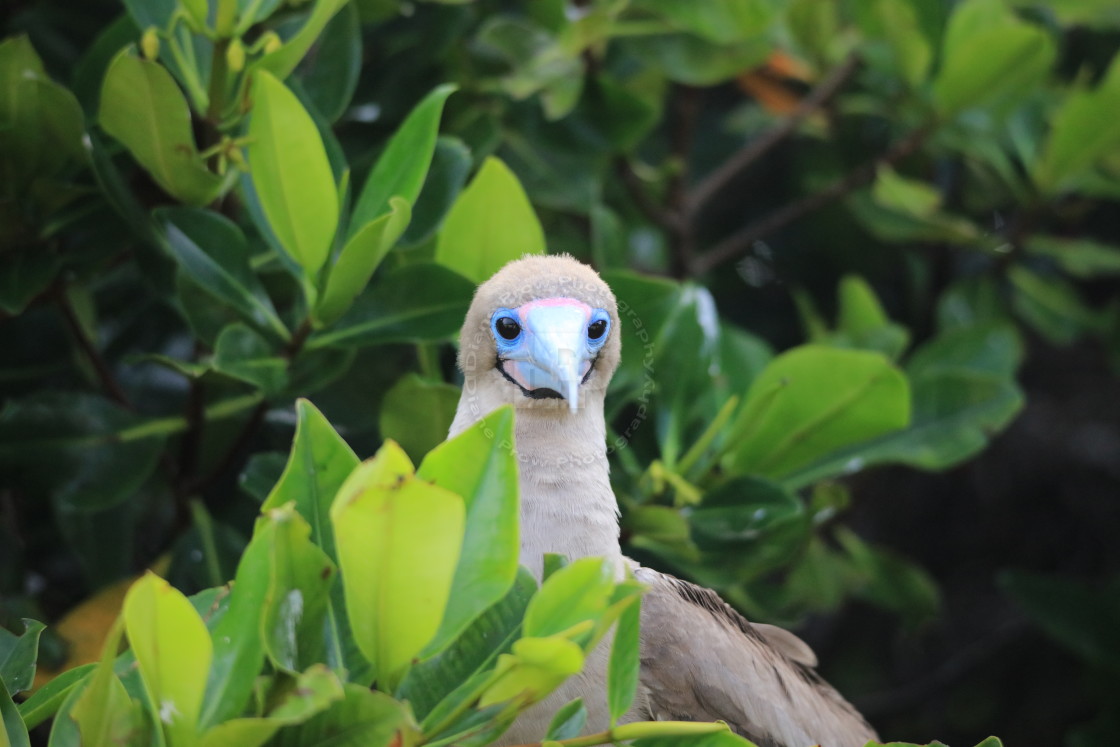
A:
x: 567, y: 505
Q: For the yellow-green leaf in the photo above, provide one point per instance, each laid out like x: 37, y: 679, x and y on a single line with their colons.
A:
x: 291, y: 174
x: 536, y: 667
x: 173, y: 651
x: 398, y: 540
x: 490, y: 224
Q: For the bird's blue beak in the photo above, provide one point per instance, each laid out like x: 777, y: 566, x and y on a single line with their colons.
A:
x: 546, y: 348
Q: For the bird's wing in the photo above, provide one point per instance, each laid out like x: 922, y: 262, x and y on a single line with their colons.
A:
x: 702, y: 661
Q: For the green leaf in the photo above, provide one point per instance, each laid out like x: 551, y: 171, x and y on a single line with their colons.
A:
x: 890, y: 581
x: 909, y: 46
x: 173, y: 652
x: 911, y: 196
x: 989, y: 57
x: 313, y: 691
x: 625, y: 663
x: 677, y: 734
x: 439, y: 684
x: 212, y: 251
x: 319, y: 463
x: 398, y: 541
x: 1082, y: 258
x: 963, y: 391
x: 490, y: 224
x: 242, y: 353
x: 1051, y: 305
x: 451, y: 162
x: 1079, y: 615
x: 721, y: 21
x: 45, y: 701
x: 300, y: 578
x: 693, y: 61
x: 403, y: 165
x: 1077, y: 139
x: 536, y: 667
x: 331, y: 75
x: 142, y: 107
x: 18, y: 654
x: 568, y: 721
x: 417, y: 414
x: 291, y: 174
x: 88, y: 453
x: 105, y: 713
x: 569, y: 598
x: 12, y: 729
x: 479, y: 464
x: 363, y: 718
x: 23, y: 276
x: 359, y: 258
x: 41, y: 121
x: 813, y: 400
x: 862, y: 322
x: 281, y: 62
x: 413, y: 303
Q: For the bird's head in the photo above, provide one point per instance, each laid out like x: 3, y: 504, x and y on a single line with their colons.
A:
x: 543, y: 332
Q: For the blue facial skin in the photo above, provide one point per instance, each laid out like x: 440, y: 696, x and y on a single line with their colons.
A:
x: 551, y: 352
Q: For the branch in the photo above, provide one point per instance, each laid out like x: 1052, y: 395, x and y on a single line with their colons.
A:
x: 741, y: 241
x: 749, y: 154
x: 659, y: 215
x: 104, y: 374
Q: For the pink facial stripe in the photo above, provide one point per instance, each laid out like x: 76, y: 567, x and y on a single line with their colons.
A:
x: 524, y: 309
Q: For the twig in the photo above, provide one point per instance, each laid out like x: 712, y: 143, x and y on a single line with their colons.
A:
x: 715, y: 182
x: 104, y: 374
x: 741, y: 241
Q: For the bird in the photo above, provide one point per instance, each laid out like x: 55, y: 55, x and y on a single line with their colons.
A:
x: 543, y: 335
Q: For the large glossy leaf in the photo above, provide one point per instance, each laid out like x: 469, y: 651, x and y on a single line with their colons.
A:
x: 359, y: 258
x: 300, y: 578
x: 142, y: 106
x: 212, y: 251
x: 963, y: 391
x: 362, y: 718
x: 86, y: 452
x: 18, y: 654
x: 313, y: 691
x: 331, y: 75
x: 41, y: 120
x: 451, y: 162
x: 479, y: 465
x: 13, y: 733
x: 989, y: 57
x: 813, y: 400
x: 1076, y: 138
x: 291, y: 174
x: 440, y: 681
x: 490, y: 224
x: 403, y: 165
x: 417, y: 413
x: 414, y: 303
x: 398, y: 541
x: 173, y: 653
x: 244, y: 354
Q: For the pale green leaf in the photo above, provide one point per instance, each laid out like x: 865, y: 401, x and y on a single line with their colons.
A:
x: 490, y: 224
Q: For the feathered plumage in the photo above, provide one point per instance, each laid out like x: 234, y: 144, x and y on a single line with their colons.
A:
x: 543, y: 335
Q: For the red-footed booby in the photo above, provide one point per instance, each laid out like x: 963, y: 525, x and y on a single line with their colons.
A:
x: 543, y: 335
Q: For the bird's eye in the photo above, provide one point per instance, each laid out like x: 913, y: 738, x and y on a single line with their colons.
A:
x: 597, y: 329
x: 507, y: 328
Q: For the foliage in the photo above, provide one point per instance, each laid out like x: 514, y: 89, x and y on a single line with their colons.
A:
x: 211, y: 209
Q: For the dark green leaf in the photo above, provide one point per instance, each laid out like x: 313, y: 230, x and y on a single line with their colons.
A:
x: 721, y: 21
x: 417, y: 414
x: 46, y: 700
x: 402, y: 167
x: 18, y: 654
x: 568, y: 721
x: 23, y: 276
x: 891, y: 581
x: 625, y: 661
x: 330, y: 74
x: 1051, y: 305
x: 284, y: 60
x: 244, y: 354
x: 15, y: 732
x: 451, y: 162
x: 363, y: 718
x: 1082, y: 258
x: 414, y: 303
x: 212, y: 251
x: 261, y: 473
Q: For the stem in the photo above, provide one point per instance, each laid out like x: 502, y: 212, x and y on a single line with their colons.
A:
x: 427, y: 355
x: 201, y: 519
x: 715, y: 182
x: 104, y: 374
x: 641, y: 729
x: 741, y: 241
x: 692, y: 456
x: 190, y: 74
